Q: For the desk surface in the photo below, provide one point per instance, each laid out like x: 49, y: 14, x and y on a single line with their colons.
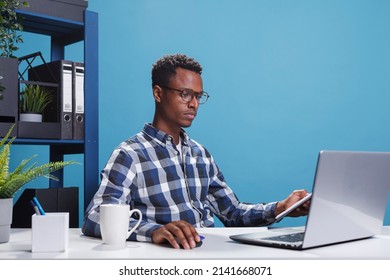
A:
x: 216, y: 245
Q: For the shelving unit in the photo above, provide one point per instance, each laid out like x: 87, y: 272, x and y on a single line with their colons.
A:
x: 64, y: 32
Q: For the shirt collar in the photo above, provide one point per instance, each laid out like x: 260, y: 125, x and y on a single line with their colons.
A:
x: 163, y: 137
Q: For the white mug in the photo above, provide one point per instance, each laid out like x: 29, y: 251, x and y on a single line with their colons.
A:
x: 114, y: 223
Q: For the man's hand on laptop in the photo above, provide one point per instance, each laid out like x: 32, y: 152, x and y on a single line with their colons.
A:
x: 295, y: 196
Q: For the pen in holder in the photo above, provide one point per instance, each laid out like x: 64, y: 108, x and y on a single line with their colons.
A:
x: 50, y: 232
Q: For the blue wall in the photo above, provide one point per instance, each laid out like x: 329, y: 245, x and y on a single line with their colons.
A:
x: 286, y: 79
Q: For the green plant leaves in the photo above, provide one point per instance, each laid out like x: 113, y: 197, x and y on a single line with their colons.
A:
x: 11, y: 182
x: 34, y: 99
x: 10, y: 25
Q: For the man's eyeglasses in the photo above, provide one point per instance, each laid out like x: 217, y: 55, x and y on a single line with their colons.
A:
x: 188, y: 94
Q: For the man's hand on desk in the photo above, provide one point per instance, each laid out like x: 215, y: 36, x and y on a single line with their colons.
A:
x: 177, y: 233
x: 295, y: 196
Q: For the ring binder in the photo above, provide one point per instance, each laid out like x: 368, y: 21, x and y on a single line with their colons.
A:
x: 78, y: 100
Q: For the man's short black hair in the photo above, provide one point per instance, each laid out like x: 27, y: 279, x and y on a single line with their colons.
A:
x: 165, y: 68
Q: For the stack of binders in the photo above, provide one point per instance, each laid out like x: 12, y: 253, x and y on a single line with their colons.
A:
x: 68, y: 105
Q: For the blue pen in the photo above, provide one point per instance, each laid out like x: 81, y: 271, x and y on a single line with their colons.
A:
x: 38, y: 205
x: 35, y: 207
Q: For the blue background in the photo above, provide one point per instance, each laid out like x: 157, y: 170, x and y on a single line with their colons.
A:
x: 286, y: 79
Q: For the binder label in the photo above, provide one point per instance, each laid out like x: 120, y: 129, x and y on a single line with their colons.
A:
x: 67, y: 88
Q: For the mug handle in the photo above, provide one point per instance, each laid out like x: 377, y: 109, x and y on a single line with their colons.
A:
x: 138, y: 222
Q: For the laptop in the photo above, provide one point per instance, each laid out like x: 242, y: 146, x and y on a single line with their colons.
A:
x: 348, y: 203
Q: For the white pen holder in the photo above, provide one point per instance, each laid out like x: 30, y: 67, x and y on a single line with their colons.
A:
x: 50, y: 232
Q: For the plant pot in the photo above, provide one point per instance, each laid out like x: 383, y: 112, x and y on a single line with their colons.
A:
x: 6, y: 205
x: 30, y: 117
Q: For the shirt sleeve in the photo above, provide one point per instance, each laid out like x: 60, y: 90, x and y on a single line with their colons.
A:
x: 117, y: 179
x: 230, y: 210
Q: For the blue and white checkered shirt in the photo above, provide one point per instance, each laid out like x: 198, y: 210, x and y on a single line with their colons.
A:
x: 149, y: 173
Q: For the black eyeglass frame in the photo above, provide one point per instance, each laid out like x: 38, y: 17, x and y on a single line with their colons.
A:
x: 191, y: 93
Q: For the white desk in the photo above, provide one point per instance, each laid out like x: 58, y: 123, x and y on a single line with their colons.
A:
x: 216, y: 245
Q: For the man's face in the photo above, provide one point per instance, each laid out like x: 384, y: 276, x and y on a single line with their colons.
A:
x: 174, y: 111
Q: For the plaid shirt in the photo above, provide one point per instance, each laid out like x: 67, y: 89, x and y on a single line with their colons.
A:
x: 165, y: 184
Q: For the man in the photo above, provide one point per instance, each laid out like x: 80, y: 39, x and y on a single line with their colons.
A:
x: 170, y: 178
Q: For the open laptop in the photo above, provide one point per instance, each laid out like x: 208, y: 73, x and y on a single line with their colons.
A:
x: 348, y: 203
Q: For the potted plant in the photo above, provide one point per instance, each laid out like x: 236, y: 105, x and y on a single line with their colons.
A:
x: 11, y: 182
x: 33, y: 101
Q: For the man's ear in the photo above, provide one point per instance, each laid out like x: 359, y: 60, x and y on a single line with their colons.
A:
x: 157, y: 93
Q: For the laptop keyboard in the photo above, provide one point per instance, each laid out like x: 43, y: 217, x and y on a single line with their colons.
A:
x: 293, y: 237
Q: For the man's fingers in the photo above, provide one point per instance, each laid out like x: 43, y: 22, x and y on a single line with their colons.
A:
x: 177, y: 233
